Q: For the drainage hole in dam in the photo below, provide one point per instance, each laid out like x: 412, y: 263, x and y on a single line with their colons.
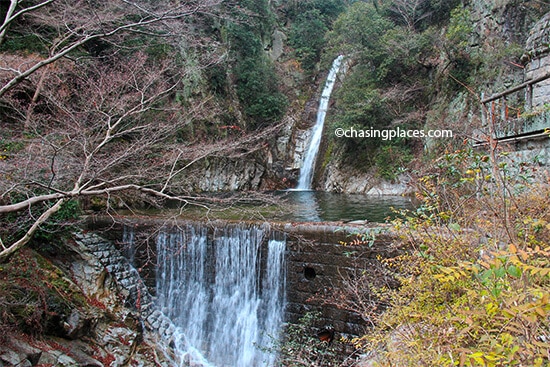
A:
x: 309, y: 273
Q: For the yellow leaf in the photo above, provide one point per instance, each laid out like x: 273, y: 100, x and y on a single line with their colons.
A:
x: 484, y: 264
x: 540, y: 311
x: 513, y: 249
x: 524, y: 255
x: 478, y: 358
x: 492, y: 358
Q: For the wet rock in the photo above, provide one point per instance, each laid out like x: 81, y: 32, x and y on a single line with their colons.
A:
x: 18, y: 352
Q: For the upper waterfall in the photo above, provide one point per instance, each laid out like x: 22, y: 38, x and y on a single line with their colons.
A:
x: 306, y: 173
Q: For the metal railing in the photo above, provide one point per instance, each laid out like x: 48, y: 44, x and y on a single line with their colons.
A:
x: 504, y: 125
x: 489, y: 112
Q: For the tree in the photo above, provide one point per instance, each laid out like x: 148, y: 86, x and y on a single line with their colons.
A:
x: 307, y: 37
x: 254, y: 74
x: 359, y: 30
x: 14, y: 12
x: 73, y: 24
x: 90, y: 116
x: 410, y: 11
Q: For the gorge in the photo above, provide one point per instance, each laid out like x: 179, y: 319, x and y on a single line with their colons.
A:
x: 172, y: 192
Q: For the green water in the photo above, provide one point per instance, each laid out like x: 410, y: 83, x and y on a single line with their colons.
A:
x: 289, y: 206
x: 313, y: 206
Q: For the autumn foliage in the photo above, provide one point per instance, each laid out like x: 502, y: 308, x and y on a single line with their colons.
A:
x: 474, y: 273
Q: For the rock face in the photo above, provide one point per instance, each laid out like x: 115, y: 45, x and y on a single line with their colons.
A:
x: 495, y: 24
x: 301, y: 140
x: 225, y: 174
x: 345, y: 180
x: 278, y: 39
x: 105, y: 328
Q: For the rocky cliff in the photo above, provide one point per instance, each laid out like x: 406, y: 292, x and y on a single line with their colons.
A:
x: 70, y: 306
x: 493, y: 26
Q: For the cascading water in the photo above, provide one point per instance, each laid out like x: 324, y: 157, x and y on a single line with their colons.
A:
x: 129, y: 250
x: 306, y: 173
x: 218, y: 295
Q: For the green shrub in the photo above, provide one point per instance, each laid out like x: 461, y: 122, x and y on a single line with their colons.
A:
x: 31, y: 43
x: 391, y: 160
x: 306, y: 36
x: 300, y: 347
x: 59, y: 224
x: 257, y: 89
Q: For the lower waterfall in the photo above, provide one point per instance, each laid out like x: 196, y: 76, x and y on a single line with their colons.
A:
x: 224, y: 291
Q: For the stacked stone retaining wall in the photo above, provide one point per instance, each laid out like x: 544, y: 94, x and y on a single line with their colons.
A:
x: 132, y: 287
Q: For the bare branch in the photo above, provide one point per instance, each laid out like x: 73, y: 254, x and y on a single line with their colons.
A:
x: 30, y: 201
x: 10, y: 16
x: 124, y: 130
x: 28, y: 235
x: 85, y: 36
x: 410, y: 11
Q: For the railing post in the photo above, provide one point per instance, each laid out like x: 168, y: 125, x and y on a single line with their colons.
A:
x: 503, y: 110
x: 528, y: 97
x: 483, y: 110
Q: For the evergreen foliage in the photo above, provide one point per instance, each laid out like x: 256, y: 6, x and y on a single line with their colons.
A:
x: 402, y: 57
x: 307, y: 38
x: 255, y: 77
x: 310, y: 20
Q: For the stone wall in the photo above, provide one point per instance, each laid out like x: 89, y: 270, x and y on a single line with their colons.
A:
x: 322, y: 263
x: 537, y: 59
x: 105, y: 316
x: 127, y: 278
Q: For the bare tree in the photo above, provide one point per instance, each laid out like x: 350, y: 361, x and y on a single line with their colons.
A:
x: 410, y: 11
x: 77, y: 23
x: 99, y: 125
x: 116, y: 135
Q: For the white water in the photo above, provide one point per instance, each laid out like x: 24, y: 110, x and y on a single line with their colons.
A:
x: 306, y: 173
x: 217, y: 295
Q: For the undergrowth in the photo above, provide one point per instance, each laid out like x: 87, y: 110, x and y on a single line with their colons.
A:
x: 300, y: 346
x: 475, y: 271
x: 35, y: 297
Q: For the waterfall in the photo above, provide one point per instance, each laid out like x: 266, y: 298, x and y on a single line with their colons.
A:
x: 225, y: 292
x: 129, y: 249
x: 306, y: 173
